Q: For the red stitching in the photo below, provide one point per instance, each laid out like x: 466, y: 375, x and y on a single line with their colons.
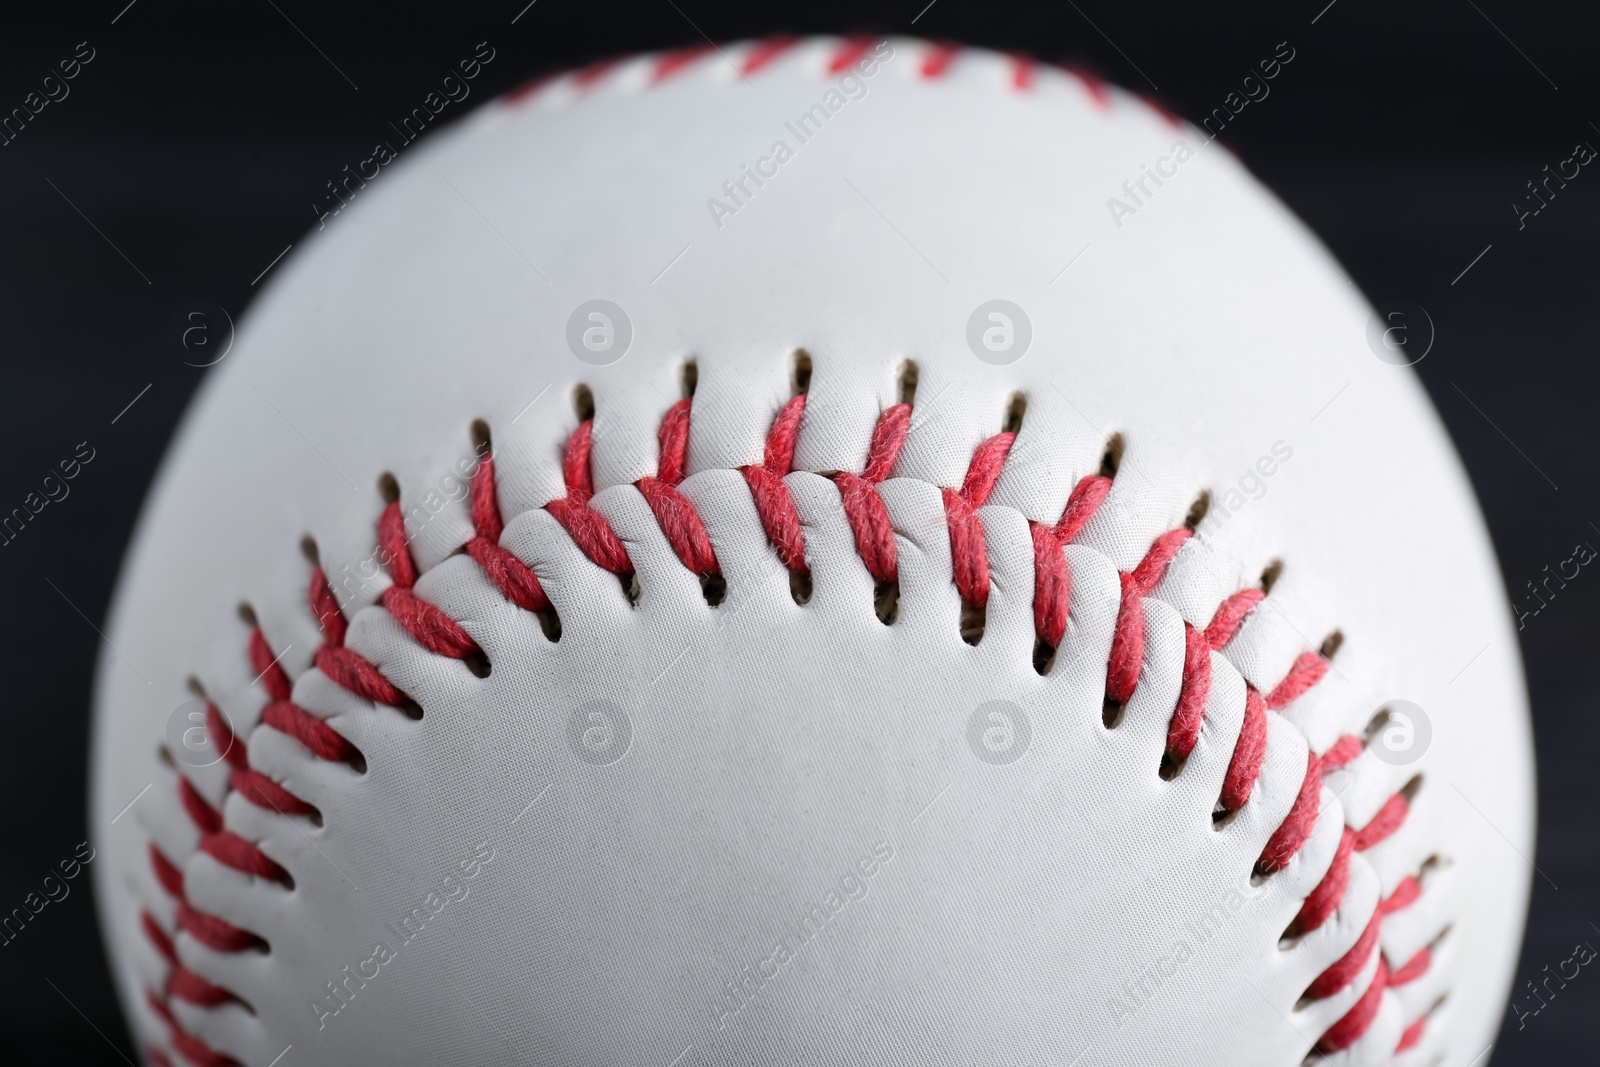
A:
x: 850, y: 50
x: 770, y: 494
x: 1348, y: 1030
x: 1413, y: 968
x: 969, y: 554
x: 941, y: 54
x: 158, y: 937
x: 858, y: 493
x: 670, y: 63
x: 582, y: 523
x: 1412, y: 1035
x: 674, y: 514
x: 764, y: 52
x: 874, y: 537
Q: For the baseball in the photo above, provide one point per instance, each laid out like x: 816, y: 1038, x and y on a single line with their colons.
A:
x: 812, y: 551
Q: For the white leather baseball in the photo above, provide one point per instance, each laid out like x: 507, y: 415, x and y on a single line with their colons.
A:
x: 712, y: 823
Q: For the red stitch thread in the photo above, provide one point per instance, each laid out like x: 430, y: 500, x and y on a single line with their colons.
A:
x: 509, y: 574
x: 1127, y: 641
x: 1099, y: 92
x: 168, y: 876
x: 1022, y: 68
x: 156, y: 1057
x: 350, y: 671
x: 1052, y: 586
x: 1325, y: 899
x: 231, y: 850
x: 1309, y: 669
x: 675, y: 62
x: 1413, y: 1035
x: 1245, y: 766
x: 323, y: 740
x: 198, y: 1052
x: 969, y: 554
x: 1297, y: 826
x: 1413, y: 968
x: 773, y: 502
x: 268, y: 669
x: 1231, y: 615
x: 159, y: 1007
x: 263, y: 792
x: 762, y: 53
x: 1404, y: 894
x: 1386, y: 822
x: 849, y: 51
x: 869, y: 519
x: 200, y: 812
x: 583, y: 524
x: 1348, y: 966
x: 674, y: 514
x: 214, y: 932
x: 936, y: 63
x: 1348, y: 1030
x: 158, y: 937
x: 223, y: 738
x: 183, y: 984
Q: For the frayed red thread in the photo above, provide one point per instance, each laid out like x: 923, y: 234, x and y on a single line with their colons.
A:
x: 770, y: 494
x: 263, y: 792
x: 583, y: 524
x: 231, y: 850
x: 858, y: 494
x: 268, y: 669
x: 1343, y: 972
x: 1052, y: 585
x: 168, y: 876
x: 323, y: 740
x: 157, y: 937
x: 199, y: 810
x: 1348, y: 1030
x: 1325, y: 899
x: 213, y: 932
x: 674, y: 514
x: 969, y: 554
x: 1414, y: 968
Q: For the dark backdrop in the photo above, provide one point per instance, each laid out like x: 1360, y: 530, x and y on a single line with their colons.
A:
x: 191, y: 147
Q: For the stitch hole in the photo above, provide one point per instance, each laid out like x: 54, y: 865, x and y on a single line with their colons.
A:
x: 886, y: 601
x: 1412, y: 788
x: 714, y: 587
x: 1016, y: 407
x: 165, y: 756
x: 247, y: 615
x: 800, y: 372
x: 358, y: 762
x: 1269, y: 576
x: 409, y: 708
x: 973, y: 617
x: 308, y: 549
x: 1331, y: 644
x: 800, y: 586
x: 688, y: 377
x: 388, y: 488
x: 478, y: 663
x: 1111, y: 714
x: 1111, y: 459
x: 630, y: 587
x: 1221, y: 817
x: 583, y: 402
x: 1044, y: 656
x: 1197, y: 511
x: 908, y: 381
x: 195, y: 687
x: 478, y: 433
x: 1170, y: 766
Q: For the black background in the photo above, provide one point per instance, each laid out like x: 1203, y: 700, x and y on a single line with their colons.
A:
x: 198, y: 139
